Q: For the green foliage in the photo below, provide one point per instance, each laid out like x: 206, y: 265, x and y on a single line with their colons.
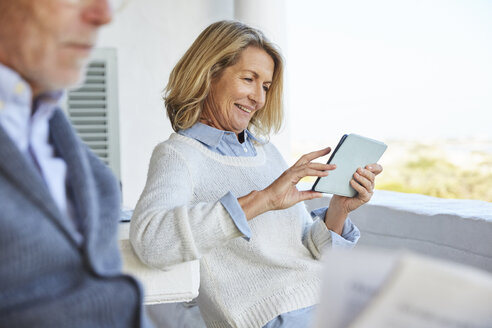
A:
x: 396, y: 186
x: 437, y: 176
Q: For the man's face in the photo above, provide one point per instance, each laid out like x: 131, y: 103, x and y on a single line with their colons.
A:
x: 48, y: 41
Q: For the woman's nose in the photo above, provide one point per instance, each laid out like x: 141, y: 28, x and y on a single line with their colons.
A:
x: 258, y: 95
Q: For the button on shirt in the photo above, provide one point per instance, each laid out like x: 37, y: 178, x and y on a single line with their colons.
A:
x: 226, y: 143
x: 222, y: 142
x: 30, y: 133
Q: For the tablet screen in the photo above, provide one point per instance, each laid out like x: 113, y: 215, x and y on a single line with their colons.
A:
x: 353, y: 151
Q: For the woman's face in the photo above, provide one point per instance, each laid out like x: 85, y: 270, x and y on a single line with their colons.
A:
x: 239, y: 91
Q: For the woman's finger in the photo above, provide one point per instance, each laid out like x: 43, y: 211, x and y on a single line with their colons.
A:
x: 309, y: 194
x: 375, y: 168
x: 308, y: 172
x: 312, y: 155
x: 365, y: 182
x: 363, y: 193
x: 321, y: 167
x: 367, y: 174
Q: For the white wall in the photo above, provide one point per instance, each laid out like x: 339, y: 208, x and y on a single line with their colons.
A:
x: 150, y: 36
x: 270, y: 17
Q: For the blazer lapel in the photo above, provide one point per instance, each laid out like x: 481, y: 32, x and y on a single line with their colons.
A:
x: 29, y: 181
x: 79, y: 173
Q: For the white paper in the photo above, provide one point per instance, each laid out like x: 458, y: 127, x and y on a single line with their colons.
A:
x: 376, y: 289
x: 350, y: 280
x: 428, y: 293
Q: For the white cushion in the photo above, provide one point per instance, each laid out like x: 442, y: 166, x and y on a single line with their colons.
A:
x: 457, y: 230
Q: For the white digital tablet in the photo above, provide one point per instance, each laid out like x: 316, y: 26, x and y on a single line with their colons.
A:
x: 353, y: 151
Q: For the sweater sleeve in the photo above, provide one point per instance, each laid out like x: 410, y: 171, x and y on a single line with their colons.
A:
x: 318, y: 237
x: 165, y: 229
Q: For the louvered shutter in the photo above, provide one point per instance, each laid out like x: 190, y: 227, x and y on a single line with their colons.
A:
x: 93, y: 108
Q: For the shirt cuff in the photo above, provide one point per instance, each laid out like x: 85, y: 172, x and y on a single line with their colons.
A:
x: 350, y: 233
x: 236, y: 212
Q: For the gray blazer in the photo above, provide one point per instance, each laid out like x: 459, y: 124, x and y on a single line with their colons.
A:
x: 46, y: 278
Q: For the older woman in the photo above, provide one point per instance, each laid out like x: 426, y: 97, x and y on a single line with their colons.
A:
x: 218, y: 192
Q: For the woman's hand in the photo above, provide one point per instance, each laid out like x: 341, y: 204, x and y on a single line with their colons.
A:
x: 340, y: 206
x: 282, y: 193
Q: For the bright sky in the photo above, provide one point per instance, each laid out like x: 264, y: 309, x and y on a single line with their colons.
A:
x: 390, y: 68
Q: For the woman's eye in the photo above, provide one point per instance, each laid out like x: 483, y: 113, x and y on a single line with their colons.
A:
x: 266, y: 88
x: 248, y: 79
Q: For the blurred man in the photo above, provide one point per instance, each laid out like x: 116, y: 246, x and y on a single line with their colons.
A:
x: 59, y: 204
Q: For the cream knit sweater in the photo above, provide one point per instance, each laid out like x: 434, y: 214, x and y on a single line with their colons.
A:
x: 179, y: 218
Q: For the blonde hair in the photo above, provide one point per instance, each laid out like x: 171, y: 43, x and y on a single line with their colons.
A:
x: 216, y: 48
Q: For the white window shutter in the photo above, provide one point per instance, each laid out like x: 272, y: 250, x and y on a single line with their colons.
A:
x: 93, y: 108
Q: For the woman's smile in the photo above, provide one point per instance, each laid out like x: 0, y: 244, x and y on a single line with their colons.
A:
x: 240, y: 91
x: 243, y: 108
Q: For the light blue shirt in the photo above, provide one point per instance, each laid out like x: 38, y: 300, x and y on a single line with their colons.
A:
x: 226, y: 143
x: 222, y: 142
x: 30, y: 132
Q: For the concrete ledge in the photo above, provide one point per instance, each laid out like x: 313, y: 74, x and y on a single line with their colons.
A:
x: 456, y: 230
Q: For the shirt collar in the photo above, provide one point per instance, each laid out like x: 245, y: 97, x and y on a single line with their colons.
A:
x: 250, y: 135
x: 211, y: 136
x: 14, y: 89
x: 15, y: 108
